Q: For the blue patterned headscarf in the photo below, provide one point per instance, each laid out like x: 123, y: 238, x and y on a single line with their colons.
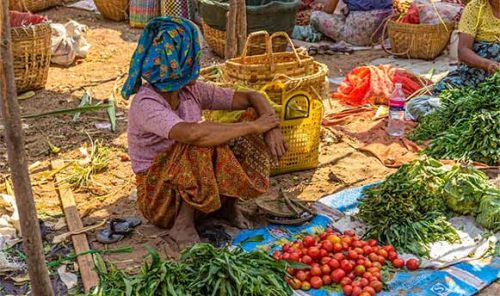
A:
x: 167, y: 56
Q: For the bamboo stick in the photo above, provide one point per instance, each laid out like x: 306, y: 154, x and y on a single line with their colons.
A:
x: 14, y: 138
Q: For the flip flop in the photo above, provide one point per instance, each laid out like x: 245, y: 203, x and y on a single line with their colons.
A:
x: 117, y: 229
x: 216, y: 236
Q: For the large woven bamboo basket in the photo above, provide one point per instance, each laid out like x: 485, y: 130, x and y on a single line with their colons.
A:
x: 115, y: 10
x: 264, y: 67
x: 31, y: 50
x: 302, y: 133
x: 418, y: 41
x: 216, y: 40
x: 32, y: 5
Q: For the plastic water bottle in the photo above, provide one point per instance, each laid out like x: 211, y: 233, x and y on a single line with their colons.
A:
x: 396, y: 125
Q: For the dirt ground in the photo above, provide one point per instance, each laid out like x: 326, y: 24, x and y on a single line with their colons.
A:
x: 341, y: 165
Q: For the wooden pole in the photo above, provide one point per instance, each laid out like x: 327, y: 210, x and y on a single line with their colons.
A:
x: 242, y: 26
x: 231, y: 47
x: 14, y: 137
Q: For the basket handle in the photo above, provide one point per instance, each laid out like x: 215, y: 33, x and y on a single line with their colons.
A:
x: 279, y: 84
x: 294, y: 50
x: 269, y: 46
x: 383, y: 42
x: 289, y: 99
x: 248, y: 43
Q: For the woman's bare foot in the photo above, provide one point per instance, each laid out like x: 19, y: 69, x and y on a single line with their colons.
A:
x: 238, y: 214
x: 183, y: 233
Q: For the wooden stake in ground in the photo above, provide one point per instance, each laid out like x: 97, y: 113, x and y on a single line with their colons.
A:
x: 14, y: 137
x: 242, y: 26
x: 80, y: 243
x: 231, y: 47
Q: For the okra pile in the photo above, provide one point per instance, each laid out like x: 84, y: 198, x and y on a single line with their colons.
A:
x: 467, y: 127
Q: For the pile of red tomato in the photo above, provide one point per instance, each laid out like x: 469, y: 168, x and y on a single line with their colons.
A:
x: 342, y: 259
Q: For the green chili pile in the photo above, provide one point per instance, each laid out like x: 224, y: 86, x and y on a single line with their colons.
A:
x: 201, y: 271
x: 467, y: 126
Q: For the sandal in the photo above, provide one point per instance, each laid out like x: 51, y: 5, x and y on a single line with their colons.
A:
x: 117, y: 229
x: 286, y: 211
x: 216, y: 236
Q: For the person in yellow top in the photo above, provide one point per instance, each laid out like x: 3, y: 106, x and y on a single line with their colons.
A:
x: 478, y: 45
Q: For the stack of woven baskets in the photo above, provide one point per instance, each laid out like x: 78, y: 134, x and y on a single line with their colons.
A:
x: 32, y: 5
x: 292, y: 80
x: 31, y: 50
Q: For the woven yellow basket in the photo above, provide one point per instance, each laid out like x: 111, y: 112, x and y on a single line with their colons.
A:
x: 115, y: 10
x: 264, y: 67
x: 418, y: 41
x: 302, y: 133
x: 31, y: 50
x: 32, y: 5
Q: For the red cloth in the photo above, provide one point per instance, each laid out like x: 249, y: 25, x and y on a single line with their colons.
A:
x: 374, y: 84
x: 412, y: 16
x: 22, y: 19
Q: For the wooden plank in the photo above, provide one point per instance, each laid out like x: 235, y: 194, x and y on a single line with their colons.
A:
x: 80, y: 243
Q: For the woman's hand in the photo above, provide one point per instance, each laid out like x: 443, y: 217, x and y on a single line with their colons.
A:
x: 493, y: 67
x: 265, y: 123
x: 276, y: 144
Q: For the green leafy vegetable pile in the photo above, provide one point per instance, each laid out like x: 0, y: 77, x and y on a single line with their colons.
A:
x: 409, y: 209
x: 406, y: 211
x: 467, y: 127
x: 201, y: 271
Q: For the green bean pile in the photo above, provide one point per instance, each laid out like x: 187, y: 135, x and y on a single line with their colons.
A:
x: 201, y: 271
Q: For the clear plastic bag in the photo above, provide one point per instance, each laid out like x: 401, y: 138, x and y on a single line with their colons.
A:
x: 433, y: 13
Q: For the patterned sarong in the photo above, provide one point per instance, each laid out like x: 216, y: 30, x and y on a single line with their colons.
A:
x: 465, y: 76
x: 199, y: 176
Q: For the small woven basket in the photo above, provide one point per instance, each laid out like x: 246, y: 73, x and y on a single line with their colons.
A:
x: 31, y: 50
x: 264, y: 67
x: 115, y: 10
x: 141, y: 11
x: 32, y: 5
x: 418, y: 41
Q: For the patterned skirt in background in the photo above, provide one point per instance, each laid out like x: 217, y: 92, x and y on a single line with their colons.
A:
x: 199, y: 176
x: 181, y: 8
x: 464, y: 75
x: 361, y: 28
